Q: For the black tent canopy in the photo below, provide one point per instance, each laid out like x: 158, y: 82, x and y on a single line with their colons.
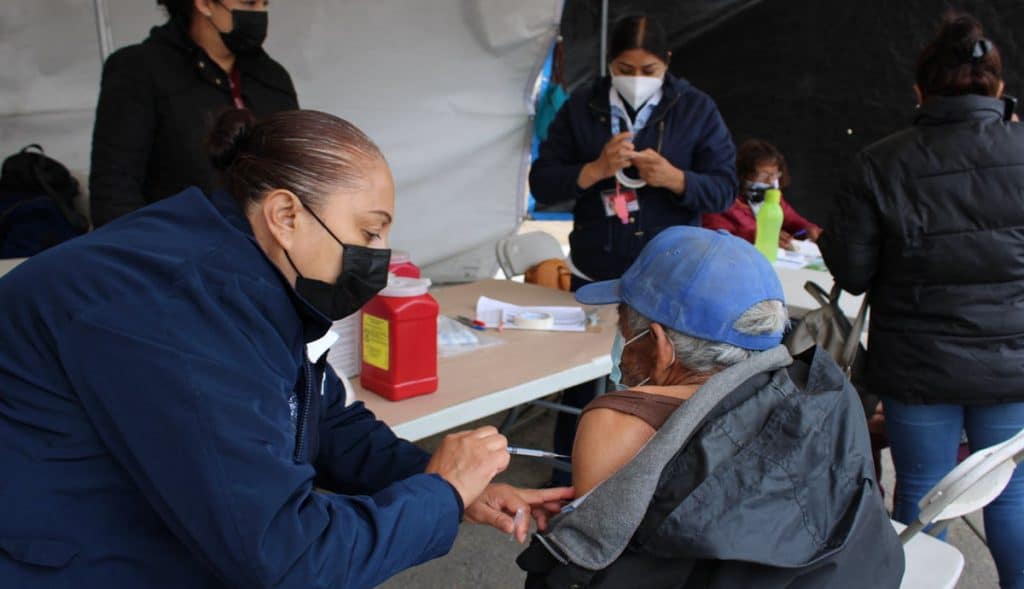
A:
x: 819, y: 78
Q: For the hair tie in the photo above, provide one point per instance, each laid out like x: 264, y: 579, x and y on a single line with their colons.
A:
x: 981, y: 49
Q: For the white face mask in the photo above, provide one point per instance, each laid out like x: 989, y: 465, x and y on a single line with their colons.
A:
x: 636, y: 90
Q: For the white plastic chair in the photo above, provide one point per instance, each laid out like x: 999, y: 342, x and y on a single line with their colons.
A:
x: 973, y: 484
x: 516, y: 254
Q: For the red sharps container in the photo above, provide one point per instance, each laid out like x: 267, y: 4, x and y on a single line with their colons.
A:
x: 400, y: 340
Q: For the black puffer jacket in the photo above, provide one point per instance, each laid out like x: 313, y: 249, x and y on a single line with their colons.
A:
x: 931, y: 224
x: 157, y: 103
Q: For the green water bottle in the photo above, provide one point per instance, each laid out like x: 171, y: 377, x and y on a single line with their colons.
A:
x: 769, y: 224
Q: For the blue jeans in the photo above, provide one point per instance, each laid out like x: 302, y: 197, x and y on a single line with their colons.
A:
x: 924, y: 441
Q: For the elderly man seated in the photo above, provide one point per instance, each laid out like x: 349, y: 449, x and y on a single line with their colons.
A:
x: 720, y: 461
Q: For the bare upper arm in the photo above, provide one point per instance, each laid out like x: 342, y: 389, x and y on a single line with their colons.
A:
x: 605, y: 441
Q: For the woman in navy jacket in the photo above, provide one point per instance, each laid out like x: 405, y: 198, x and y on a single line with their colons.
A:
x: 679, y: 146
x: 641, y: 125
x: 160, y: 422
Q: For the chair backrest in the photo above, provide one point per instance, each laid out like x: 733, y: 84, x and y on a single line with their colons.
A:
x: 517, y: 253
x: 973, y: 484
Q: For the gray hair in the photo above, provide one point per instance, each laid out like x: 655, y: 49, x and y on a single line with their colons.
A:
x: 703, y: 356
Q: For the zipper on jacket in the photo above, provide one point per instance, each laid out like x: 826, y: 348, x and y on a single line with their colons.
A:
x: 307, y: 399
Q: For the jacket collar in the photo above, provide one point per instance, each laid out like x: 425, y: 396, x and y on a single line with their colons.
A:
x: 314, y: 323
x: 257, y: 65
x: 940, y: 110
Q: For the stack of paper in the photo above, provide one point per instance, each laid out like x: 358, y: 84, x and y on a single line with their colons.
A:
x: 495, y: 313
x: 788, y: 259
x: 806, y: 254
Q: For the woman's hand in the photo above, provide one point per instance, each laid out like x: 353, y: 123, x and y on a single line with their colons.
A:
x: 617, y: 154
x: 469, y: 460
x: 786, y: 241
x: 659, y: 172
x: 508, y: 508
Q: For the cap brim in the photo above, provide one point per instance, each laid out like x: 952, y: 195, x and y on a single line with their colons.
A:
x: 600, y: 293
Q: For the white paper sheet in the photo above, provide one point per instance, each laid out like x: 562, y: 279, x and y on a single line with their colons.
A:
x: 791, y: 260
x: 807, y: 248
x: 494, y: 313
x: 806, y: 254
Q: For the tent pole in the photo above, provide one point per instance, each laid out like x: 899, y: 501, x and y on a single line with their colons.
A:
x: 103, y: 29
x: 604, y: 37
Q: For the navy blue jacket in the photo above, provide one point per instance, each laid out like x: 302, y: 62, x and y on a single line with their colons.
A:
x: 686, y: 128
x: 161, y: 426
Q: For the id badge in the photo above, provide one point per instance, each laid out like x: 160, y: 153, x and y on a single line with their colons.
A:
x: 620, y: 203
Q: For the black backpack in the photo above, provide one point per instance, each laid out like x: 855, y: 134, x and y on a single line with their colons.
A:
x: 36, y: 210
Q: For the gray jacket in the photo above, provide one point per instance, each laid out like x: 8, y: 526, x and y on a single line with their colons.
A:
x: 762, y: 479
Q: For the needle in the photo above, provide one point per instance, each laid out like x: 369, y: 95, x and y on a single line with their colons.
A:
x: 535, y: 453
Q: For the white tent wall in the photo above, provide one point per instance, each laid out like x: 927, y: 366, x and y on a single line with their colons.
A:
x: 50, y: 76
x: 442, y: 86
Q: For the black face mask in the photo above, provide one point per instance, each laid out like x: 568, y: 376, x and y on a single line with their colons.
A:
x: 248, y: 31
x: 364, y: 273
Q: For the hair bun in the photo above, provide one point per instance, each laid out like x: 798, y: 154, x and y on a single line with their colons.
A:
x: 228, y: 137
x: 960, y: 36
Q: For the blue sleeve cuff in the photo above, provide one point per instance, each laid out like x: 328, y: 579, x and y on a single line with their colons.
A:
x: 458, y: 499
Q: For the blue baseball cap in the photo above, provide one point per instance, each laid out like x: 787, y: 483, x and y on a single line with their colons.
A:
x: 697, y: 282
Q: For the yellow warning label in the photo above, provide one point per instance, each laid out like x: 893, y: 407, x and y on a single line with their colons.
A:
x: 376, y: 342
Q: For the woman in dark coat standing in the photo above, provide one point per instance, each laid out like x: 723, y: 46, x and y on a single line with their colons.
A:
x: 158, y: 101
x: 649, y: 125
x: 930, y: 226
x: 638, y: 151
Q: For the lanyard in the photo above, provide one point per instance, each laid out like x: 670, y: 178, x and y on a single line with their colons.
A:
x: 235, y: 83
x: 619, y: 112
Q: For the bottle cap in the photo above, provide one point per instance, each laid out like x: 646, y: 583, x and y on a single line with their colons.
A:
x: 402, y: 287
x: 773, y: 195
x: 400, y: 257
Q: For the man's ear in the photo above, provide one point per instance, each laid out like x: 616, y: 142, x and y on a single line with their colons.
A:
x: 665, y: 351
x: 280, y: 210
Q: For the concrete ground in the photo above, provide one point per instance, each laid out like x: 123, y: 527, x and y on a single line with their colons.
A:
x: 484, y: 558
